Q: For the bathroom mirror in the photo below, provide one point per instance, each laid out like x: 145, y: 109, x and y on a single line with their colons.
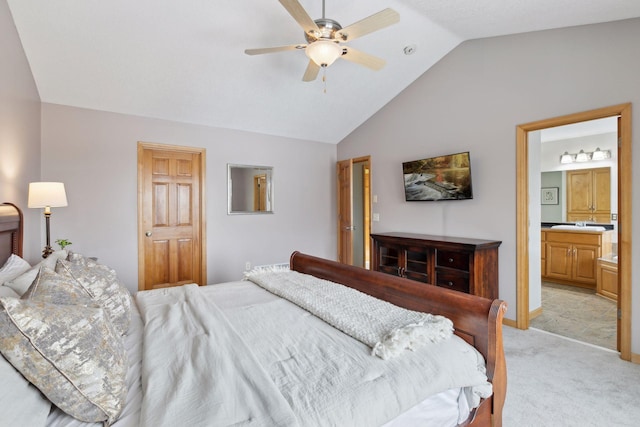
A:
x: 250, y: 189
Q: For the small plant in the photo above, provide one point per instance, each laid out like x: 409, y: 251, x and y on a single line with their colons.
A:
x: 63, y: 243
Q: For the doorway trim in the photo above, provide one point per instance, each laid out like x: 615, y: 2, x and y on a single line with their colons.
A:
x: 624, y: 213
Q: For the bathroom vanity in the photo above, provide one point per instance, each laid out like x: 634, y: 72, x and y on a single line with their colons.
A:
x: 607, y: 284
x: 569, y: 254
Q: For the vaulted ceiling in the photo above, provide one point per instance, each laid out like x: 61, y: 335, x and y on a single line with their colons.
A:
x: 185, y: 60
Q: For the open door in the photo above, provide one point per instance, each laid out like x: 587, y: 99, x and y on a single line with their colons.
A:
x: 354, y: 211
x: 345, y: 217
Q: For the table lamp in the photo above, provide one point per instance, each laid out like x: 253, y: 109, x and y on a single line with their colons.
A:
x: 47, y: 195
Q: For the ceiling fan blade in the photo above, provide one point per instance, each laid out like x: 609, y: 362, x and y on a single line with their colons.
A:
x: 301, y: 16
x: 274, y: 49
x: 362, y: 58
x: 311, y: 72
x: 375, y: 22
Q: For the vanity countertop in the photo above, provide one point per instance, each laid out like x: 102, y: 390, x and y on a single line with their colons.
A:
x: 610, y: 258
x: 549, y: 225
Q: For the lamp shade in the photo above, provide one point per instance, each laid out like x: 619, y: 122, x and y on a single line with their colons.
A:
x: 566, y: 158
x: 323, y: 52
x: 600, y: 155
x: 582, y: 157
x: 46, y: 194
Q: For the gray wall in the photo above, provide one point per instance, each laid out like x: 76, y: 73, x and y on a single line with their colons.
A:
x: 472, y: 100
x: 553, y: 213
x: 94, y: 154
x: 19, y: 131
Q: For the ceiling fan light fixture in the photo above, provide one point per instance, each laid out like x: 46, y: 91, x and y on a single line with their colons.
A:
x: 323, y: 52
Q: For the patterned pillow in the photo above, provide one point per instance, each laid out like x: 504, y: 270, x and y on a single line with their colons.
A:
x: 102, y: 283
x: 70, y: 352
x: 54, y: 288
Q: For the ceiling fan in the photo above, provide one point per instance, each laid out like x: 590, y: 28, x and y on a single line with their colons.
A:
x: 325, y: 37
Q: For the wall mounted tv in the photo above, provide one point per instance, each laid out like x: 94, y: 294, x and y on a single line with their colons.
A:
x: 438, y: 178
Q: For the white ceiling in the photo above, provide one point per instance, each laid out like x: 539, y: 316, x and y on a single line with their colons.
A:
x: 185, y: 61
x: 581, y: 129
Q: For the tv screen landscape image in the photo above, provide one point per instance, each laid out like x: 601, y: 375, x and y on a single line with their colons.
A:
x: 438, y: 178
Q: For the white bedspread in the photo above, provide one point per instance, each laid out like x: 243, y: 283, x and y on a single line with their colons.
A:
x: 196, y: 371
x: 299, y: 367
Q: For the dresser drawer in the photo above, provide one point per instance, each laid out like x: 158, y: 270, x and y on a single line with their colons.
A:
x: 457, y: 260
x: 452, y: 280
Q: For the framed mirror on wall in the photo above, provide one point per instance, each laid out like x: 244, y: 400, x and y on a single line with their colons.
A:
x: 250, y: 189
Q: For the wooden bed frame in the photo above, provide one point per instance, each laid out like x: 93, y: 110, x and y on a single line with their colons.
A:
x: 477, y: 320
x: 10, y: 231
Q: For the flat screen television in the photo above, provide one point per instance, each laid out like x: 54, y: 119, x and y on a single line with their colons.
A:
x: 438, y: 178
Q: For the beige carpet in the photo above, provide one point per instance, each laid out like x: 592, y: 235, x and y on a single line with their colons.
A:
x: 577, y: 313
x: 557, y: 382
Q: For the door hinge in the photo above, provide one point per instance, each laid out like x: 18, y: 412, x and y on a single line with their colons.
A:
x: 619, y: 314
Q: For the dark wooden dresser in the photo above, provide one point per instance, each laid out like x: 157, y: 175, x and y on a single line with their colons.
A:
x: 458, y: 263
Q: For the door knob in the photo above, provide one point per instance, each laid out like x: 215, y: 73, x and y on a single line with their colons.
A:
x: 148, y: 234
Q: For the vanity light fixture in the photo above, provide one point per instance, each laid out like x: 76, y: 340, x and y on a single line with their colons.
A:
x: 582, y: 157
x: 585, y: 156
x: 566, y: 158
x: 47, y: 195
x: 600, y: 155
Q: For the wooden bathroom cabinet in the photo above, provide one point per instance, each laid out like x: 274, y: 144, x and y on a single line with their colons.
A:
x: 571, y: 257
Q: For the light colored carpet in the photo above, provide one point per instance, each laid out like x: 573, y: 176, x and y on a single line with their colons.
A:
x: 577, y: 313
x: 557, y: 382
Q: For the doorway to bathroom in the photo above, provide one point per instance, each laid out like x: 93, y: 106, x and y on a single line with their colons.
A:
x: 578, y: 168
x: 529, y: 226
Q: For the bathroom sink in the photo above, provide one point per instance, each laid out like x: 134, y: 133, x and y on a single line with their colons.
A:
x: 579, y: 227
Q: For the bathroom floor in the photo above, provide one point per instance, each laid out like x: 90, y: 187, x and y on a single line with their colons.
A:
x: 577, y: 313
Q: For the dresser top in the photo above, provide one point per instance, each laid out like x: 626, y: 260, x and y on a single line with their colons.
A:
x: 446, y: 239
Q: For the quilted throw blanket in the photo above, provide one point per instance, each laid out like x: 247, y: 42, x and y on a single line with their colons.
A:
x: 196, y: 370
x: 386, y: 328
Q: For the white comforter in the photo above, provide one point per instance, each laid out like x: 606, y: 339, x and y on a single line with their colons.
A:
x: 196, y: 371
x: 288, y: 365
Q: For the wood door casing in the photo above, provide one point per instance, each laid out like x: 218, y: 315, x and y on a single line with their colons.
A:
x: 170, y: 234
x: 624, y: 209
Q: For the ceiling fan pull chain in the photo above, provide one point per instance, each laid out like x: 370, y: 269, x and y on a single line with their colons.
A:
x: 324, y: 78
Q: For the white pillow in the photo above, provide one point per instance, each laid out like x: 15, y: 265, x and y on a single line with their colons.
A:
x: 22, y: 403
x: 6, y: 291
x: 21, y: 283
x: 14, y: 267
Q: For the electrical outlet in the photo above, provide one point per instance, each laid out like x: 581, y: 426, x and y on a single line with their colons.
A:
x: 614, y: 217
x: 247, y: 266
x: 376, y: 217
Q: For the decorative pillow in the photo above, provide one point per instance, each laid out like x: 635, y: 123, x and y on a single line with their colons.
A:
x: 12, y: 268
x: 102, y: 283
x: 70, y: 352
x: 54, y: 288
x: 6, y: 291
x: 21, y: 283
x: 22, y: 403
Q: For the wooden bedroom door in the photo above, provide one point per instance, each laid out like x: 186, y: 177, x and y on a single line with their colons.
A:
x: 345, y: 216
x: 170, y: 216
x: 354, y: 211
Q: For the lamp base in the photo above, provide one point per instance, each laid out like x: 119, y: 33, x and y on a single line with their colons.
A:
x: 47, y: 251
